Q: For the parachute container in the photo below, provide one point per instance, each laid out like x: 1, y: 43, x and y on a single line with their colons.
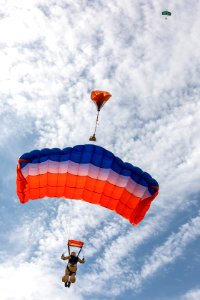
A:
x: 89, y: 173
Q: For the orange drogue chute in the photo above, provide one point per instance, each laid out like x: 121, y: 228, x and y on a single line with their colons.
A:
x: 99, y: 98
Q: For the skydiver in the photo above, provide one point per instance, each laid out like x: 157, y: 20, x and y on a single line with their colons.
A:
x: 70, y: 271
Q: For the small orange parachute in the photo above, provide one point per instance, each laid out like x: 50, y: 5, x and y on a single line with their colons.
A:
x: 99, y: 98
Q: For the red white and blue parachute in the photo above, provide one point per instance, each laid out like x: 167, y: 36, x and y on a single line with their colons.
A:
x: 90, y: 173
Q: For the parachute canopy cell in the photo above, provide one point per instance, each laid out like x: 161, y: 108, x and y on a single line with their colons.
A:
x: 100, y: 97
x: 166, y: 13
x: 90, y: 173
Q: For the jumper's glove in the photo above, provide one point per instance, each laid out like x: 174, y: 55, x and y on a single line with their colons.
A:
x: 83, y: 259
x: 62, y: 256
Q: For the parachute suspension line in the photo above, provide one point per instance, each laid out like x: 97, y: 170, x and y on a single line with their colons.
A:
x: 69, y: 220
x: 97, y: 119
x: 69, y: 250
x: 93, y: 137
x: 83, y: 252
x: 79, y: 252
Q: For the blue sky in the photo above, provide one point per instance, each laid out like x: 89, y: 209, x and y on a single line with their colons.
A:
x: 52, y: 55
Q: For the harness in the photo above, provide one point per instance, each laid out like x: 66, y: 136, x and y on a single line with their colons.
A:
x: 72, y: 261
x: 70, y: 272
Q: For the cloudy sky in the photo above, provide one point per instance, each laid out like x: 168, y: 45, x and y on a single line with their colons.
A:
x: 52, y: 55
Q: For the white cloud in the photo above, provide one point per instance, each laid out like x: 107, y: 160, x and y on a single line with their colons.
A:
x: 193, y: 294
x: 31, y: 281
x: 52, y: 55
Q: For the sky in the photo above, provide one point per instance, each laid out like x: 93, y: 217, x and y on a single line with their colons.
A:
x: 52, y: 55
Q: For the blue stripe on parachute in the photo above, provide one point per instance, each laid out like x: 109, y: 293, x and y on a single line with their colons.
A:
x: 91, y: 154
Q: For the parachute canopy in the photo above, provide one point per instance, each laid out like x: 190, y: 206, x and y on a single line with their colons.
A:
x: 99, y: 98
x: 86, y: 172
x: 166, y: 13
